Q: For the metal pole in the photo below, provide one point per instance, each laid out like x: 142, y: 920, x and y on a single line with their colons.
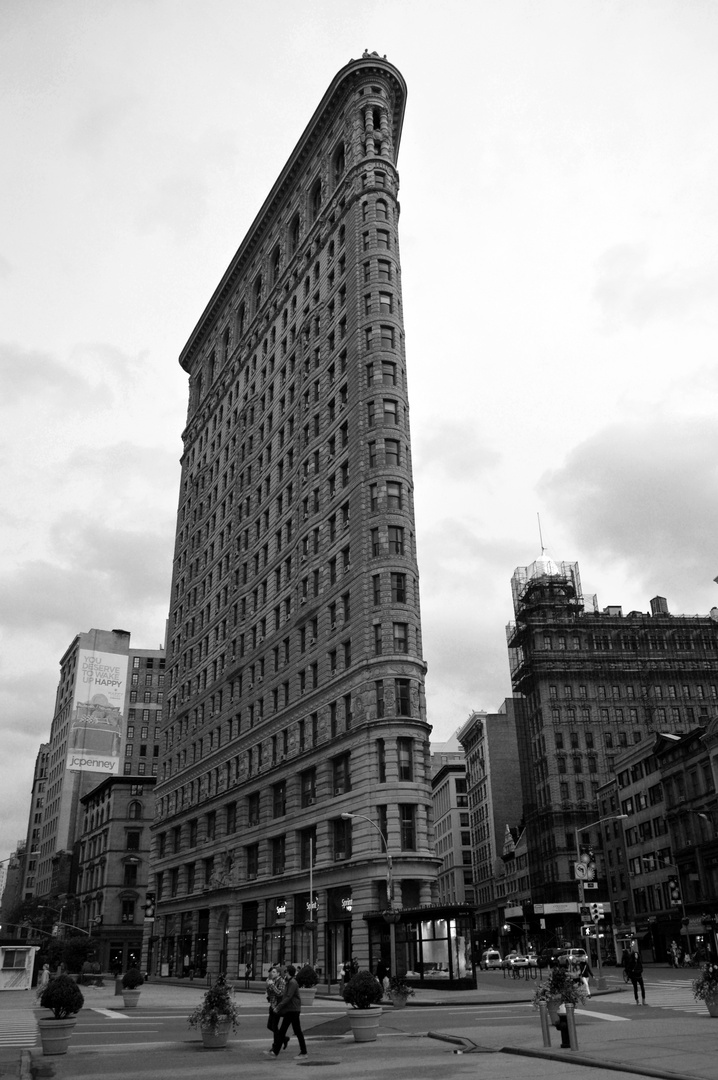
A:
x: 571, y: 1025
x: 545, y: 1029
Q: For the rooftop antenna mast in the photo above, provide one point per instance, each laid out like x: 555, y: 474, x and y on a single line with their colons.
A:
x: 543, y: 549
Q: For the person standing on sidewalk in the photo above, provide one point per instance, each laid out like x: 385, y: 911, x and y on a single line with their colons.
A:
x: 289, y: 1009
x: 585, y: 973
x: 634, y: 967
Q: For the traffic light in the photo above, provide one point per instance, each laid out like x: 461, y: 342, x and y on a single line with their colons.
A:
x: 149, y: 906
x: 674, y: 891
x: 587, y: 856
x: 596, y: 912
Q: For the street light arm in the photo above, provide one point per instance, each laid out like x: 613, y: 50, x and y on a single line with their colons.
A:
x: 346, y: 816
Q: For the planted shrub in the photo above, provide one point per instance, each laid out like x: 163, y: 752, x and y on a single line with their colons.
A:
x: 132, y: 979
x: 363, y: 990
x: 216, y: 1005
x: 62, y: 996
x: 307, y: 976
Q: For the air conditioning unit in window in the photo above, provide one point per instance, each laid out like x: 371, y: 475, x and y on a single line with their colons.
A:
x: 310, y: 801
x: 312, y: 641
x: 339, y: 856
x: 333, y: 671
x: 260, y: 639
x: 302, y: 599
x: 304, y: 558
x: 338, y: 791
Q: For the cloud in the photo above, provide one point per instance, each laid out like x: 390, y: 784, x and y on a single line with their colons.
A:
x: 29, y: 373
x: 646, y: 496
x: 458, y: 450
x: 627, y: 292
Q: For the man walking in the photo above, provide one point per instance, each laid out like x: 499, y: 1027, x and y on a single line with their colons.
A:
x: 289, y: 1008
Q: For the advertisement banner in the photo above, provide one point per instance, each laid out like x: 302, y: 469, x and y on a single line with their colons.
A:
x: 98, y: 712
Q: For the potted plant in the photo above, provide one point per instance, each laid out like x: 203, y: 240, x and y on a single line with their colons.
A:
x: 132, y: 981
x: 363, y: 993
x: 307, y: 980
x: 705, y: 987
x: 63, y: 997
x: 399, y: 991
x: 559, y: 993
x: 215, y: 1015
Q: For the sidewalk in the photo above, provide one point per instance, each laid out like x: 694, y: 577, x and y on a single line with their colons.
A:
x: 673, y: 1046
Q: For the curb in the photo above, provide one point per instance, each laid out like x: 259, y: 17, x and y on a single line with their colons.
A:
x: 599, y: 1063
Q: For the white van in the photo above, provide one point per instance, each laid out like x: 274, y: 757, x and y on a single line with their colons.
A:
x: 490, y: 959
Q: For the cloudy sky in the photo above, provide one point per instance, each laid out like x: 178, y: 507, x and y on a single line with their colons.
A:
x: 559, y: 167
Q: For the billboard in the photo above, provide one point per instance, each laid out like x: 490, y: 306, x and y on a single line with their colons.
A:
x: 96, y: 724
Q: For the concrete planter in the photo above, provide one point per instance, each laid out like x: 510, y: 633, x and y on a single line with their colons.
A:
x: 398, y: 1000
x: 365, y: 1023
x: 307, y: 995
x: 215, y: 1037
x: 712, y: 1005
x: 130, y: 998
x: 55, y: 1034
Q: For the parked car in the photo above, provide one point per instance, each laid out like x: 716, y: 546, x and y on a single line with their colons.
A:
x: 532, y: 959
x: 490, y: 960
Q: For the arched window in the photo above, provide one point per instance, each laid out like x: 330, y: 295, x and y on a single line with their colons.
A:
x: 339, y: 163
x: 294, y: 233
x: 275, y: 265
x: 257, y: 293
x: 382, y: 210
x: 134, y: 810
x: 315, y: 198
x: 241, y: 320
x: 376, y: 119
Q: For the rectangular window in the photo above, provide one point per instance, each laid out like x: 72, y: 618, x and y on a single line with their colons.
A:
x: 407, y: 821
x: 396, y: 540
x: 404, y: 749
x: 401, y: 637
x: 379, y: 695
x: 402, y: 697
x: 341, y: 839
x: 341, y: 780
x: 381, y: 755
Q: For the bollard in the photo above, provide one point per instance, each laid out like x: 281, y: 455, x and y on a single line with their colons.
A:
x: 562, y: 1025
x: 571, y: 1025
x: 545, y: 1030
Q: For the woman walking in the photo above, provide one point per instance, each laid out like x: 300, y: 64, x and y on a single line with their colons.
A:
x: 289, y: 1008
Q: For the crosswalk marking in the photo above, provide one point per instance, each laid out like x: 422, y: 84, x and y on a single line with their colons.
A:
x: 18, y: 1028
x: 677, y: 996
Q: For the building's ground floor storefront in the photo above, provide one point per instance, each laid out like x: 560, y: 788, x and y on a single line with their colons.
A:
x: 245, y: 938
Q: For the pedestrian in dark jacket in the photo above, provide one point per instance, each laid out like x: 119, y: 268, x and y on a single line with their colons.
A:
x: 634, y: 967
x: 289, y: 1008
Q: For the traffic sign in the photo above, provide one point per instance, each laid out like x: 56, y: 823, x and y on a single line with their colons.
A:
x: 580, y: 871
x: 590, y: 884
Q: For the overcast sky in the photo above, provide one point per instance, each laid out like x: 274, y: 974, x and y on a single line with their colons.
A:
x: 559, y: 166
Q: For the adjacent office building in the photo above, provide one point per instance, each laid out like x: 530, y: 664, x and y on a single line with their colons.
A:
x: 294, y: 797
x: 106, y: 724
x: 591, y: 684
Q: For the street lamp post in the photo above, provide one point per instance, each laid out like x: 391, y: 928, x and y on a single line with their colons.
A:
x: 601, y: 982
x: 391, y: 916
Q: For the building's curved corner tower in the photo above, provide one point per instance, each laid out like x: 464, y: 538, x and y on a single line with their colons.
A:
x: 294, y: 652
